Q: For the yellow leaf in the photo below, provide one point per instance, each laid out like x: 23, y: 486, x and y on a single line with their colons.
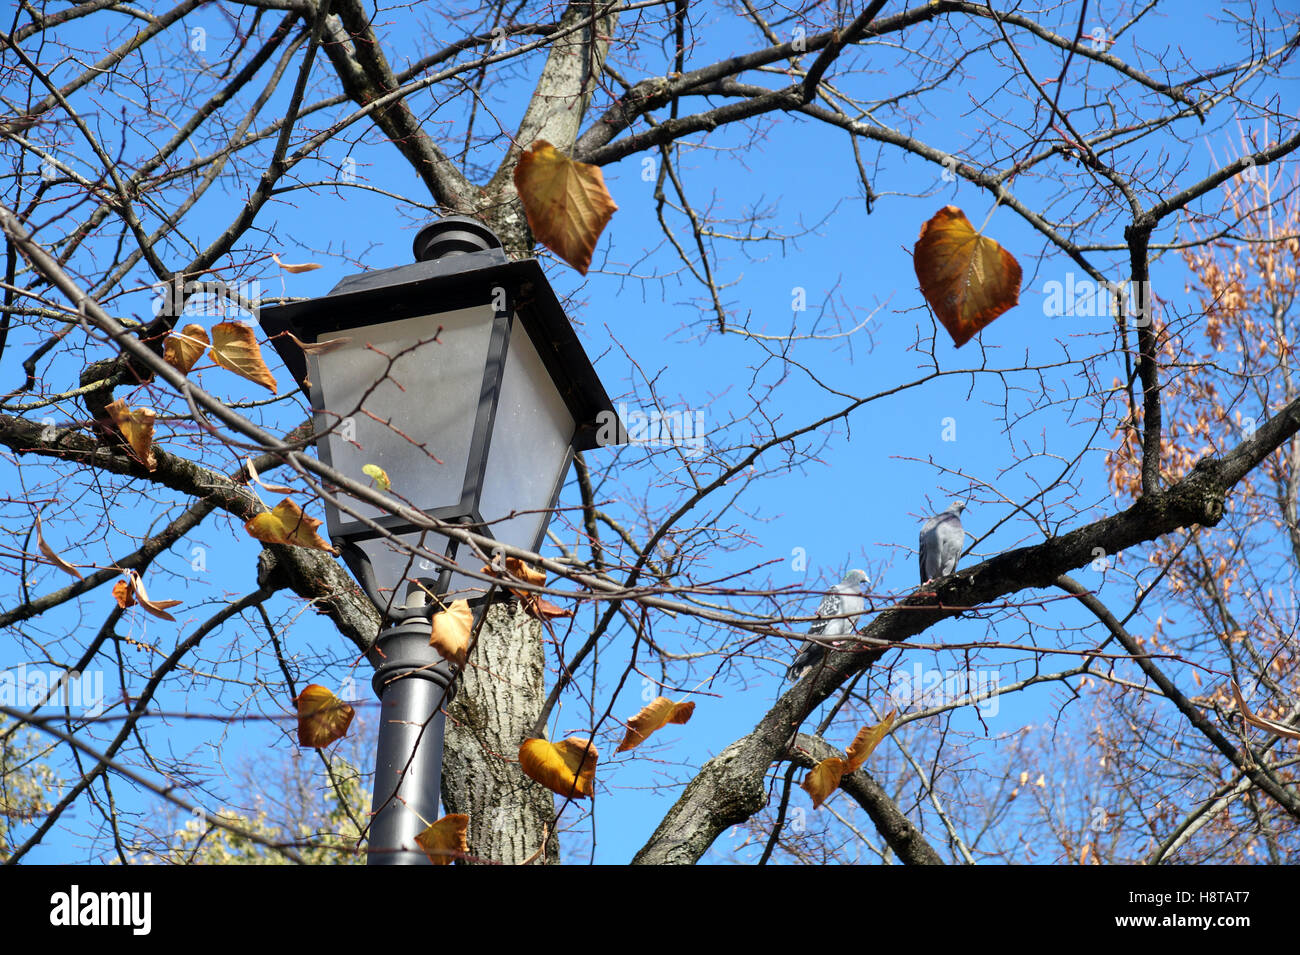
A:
x: 235, y: 348
x: 566, y: 202
x: 865, y: 742
x: 300, y: 267
x: 287, y: 524
x: 51, y: 556
x: 183, y: 351
x: 823, y: 780
x: 378, y: 474
x: 451, y: 630
x: 968, y: 279
x: 322, y: 717
x: 567, y: 768
x: 445, y: 838
x: 136, y: 425
x: 655, y: 715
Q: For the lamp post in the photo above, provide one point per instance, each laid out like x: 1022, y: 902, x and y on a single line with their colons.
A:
x: 461, y: 379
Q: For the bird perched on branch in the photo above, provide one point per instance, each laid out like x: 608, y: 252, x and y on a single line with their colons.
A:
x: 942, y: 539
x: 836, y: 616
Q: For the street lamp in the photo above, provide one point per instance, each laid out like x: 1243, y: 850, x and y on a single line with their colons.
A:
x: 458, y: 385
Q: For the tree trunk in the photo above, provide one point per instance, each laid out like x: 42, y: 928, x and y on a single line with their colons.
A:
x: 501, y: 694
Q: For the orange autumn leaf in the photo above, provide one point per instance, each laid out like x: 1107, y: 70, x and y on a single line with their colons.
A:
x: 567, y: 768
x: 136, y: 425
x: 51, y: 556
x: 566, y: 202
x: 968, y: 279
x: 442, y: 840
x: 451, y: 630
x: 826, y: 776
x: 535, y: 605
x: 133, y: 592
x: 866, y: 741
x: 654, y: 716
x: 823, y: 780
x: 183, y: 351
x: 287, y: 524
x: 543, y: 609
x: 235, y: 348
x: 322, y: 717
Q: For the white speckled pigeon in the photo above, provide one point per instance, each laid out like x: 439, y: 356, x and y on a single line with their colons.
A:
x: 942, y: 540
x: 837, y: 615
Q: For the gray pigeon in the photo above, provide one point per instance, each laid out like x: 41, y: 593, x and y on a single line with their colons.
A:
x: 942, y: 540
x: 837, y: 614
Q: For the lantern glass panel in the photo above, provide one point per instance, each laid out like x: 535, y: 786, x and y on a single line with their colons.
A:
x: 414, y: 418
x: 529, y: 457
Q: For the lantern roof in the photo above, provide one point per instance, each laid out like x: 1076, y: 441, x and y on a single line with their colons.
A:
x: 453, y: 281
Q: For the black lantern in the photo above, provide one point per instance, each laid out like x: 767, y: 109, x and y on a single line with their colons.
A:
x: 458, y: 384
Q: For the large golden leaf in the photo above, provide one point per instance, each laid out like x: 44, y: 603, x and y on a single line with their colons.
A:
x: 183, y: 351
x: 566, y: 202
x: 967, y: 278
x: 655, y: 715
x: 444, y: 839
x: 826, y: 775
x: 287, y: 524
x: 235, y: 348
x: 136, y: 425
x: 866, y: 741
x: 322, y: 716
x: 451, y: 630
x: 567, y: 768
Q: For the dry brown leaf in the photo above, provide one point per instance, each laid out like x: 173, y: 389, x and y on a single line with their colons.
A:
x: 287, y: 524
x: 183, y: 351
x: 317, y: 348
x: 235, y: 348
x: 51, y: 556
x: 136, y: 425
x: 543, y: 609
x: 300, y: 267
x: 1261, y: 722
x: 156, y: 607
x: 566, y: 202
x: 825, y: 777
x: 451, y: 630
x: 535, y: 605
x: 251, y: 468
x: 654, y: 716
x: 567, y: 768
x: 823, y: 780
x: 124, y: 593
x: 322, y: 717
x: 866, y: 741
x: 445, y: 838
x: 968, y: 279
